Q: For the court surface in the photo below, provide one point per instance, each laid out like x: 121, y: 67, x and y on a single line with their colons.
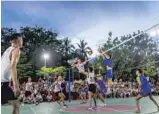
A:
x: 114, y: 106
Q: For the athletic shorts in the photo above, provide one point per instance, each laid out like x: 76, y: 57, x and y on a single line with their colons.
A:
x: 84, y: 91
x: 82, y: 76
x: 145, y: 93
x: 27, y: 93
x: 7, y: 93
x: 57, y: 93
x: 92, y: 88
x: 109, y: 74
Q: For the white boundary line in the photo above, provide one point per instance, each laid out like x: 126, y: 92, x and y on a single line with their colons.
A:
x: 62, y: 109
x: 32, y: 109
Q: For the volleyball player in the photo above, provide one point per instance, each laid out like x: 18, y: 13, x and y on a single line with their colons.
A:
x: 144, y: 89
x: 9, y: 61
x: 84, y: 92
x: 92, y: 89
x: 101, y: 88
x: 60, y: 90
x: 81, y: 68
x: 109, y: 72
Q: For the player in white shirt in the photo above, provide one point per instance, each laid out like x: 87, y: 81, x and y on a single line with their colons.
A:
x: 92, y: 88
x: 9, y: 62
x: 60, y: 90
x: 81, y: 68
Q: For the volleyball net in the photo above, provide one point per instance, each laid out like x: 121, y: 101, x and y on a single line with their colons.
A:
x: 131, y: 52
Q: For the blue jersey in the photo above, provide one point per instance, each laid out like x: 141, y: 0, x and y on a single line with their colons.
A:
x: 85, y: 89
x: 109, y: 72
x: 101, y: 84
x: 145, y: 86
x: 108, y: 62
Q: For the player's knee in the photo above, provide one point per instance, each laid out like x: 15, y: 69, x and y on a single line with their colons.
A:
x: 16, y: 105
x: 137, y: 99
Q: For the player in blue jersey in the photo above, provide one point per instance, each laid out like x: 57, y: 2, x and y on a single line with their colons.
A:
x: 83, y: 93
x: 101, y: 88
x: 109, y: 72
x: 144, y: 89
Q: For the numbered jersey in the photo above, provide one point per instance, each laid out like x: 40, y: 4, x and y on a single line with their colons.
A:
x: 91, y: 78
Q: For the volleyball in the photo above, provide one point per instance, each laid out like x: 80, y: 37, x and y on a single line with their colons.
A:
x: 90, y: 52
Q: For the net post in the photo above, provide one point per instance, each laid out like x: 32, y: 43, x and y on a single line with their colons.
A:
x: 69, y: 85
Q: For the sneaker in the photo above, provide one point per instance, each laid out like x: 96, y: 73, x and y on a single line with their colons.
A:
x: 90, y: 109
x: 102, y: 105
x: 65, y: 106
x: 37, y: 103
x: 94, y: 108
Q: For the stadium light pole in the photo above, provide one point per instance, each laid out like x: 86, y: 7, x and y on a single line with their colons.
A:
x: 46, y: 57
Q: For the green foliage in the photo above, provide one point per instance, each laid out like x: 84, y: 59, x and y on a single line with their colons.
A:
x: 45, y: 71
x: 83, y: 48
x: 56, y: 70
x: 134, y: 53
x: 150, y: 70
x: 24, y: 67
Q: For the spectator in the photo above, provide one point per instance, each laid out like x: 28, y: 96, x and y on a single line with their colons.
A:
x: 39, y: 98
x: 49, y: 97
x: 29, y: 87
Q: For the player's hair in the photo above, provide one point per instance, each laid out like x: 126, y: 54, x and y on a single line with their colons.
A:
x: 91, y: 69
x: 15, y: 36
x: 109, y: 55
x: 140, y: 71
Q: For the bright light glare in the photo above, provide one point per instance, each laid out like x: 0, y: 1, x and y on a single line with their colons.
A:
x: 154, y: 33
x: 46, y: 56
x: 157, y: 32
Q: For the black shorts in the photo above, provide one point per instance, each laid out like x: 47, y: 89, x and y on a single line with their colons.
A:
x: 7, y: 93
x: 82, y: 76
x: 27, y: 93
x: 92, y: 88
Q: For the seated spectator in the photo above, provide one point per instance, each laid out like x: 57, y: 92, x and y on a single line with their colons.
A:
x: 49, y: 97
x: 28, y: 87
x: 39, y: 98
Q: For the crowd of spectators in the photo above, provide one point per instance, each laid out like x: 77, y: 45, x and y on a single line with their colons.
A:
x: 43, y: 90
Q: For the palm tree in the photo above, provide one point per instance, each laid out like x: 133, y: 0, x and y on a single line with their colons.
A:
x: 67, y: 48
x: 83, y: 48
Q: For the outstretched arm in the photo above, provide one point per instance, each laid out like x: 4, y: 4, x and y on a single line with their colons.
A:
x: 102, y: 53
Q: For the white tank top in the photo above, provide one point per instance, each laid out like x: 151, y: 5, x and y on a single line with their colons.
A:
x: 57, y: 87
x: 91, y: 78
x: 5, y: 65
